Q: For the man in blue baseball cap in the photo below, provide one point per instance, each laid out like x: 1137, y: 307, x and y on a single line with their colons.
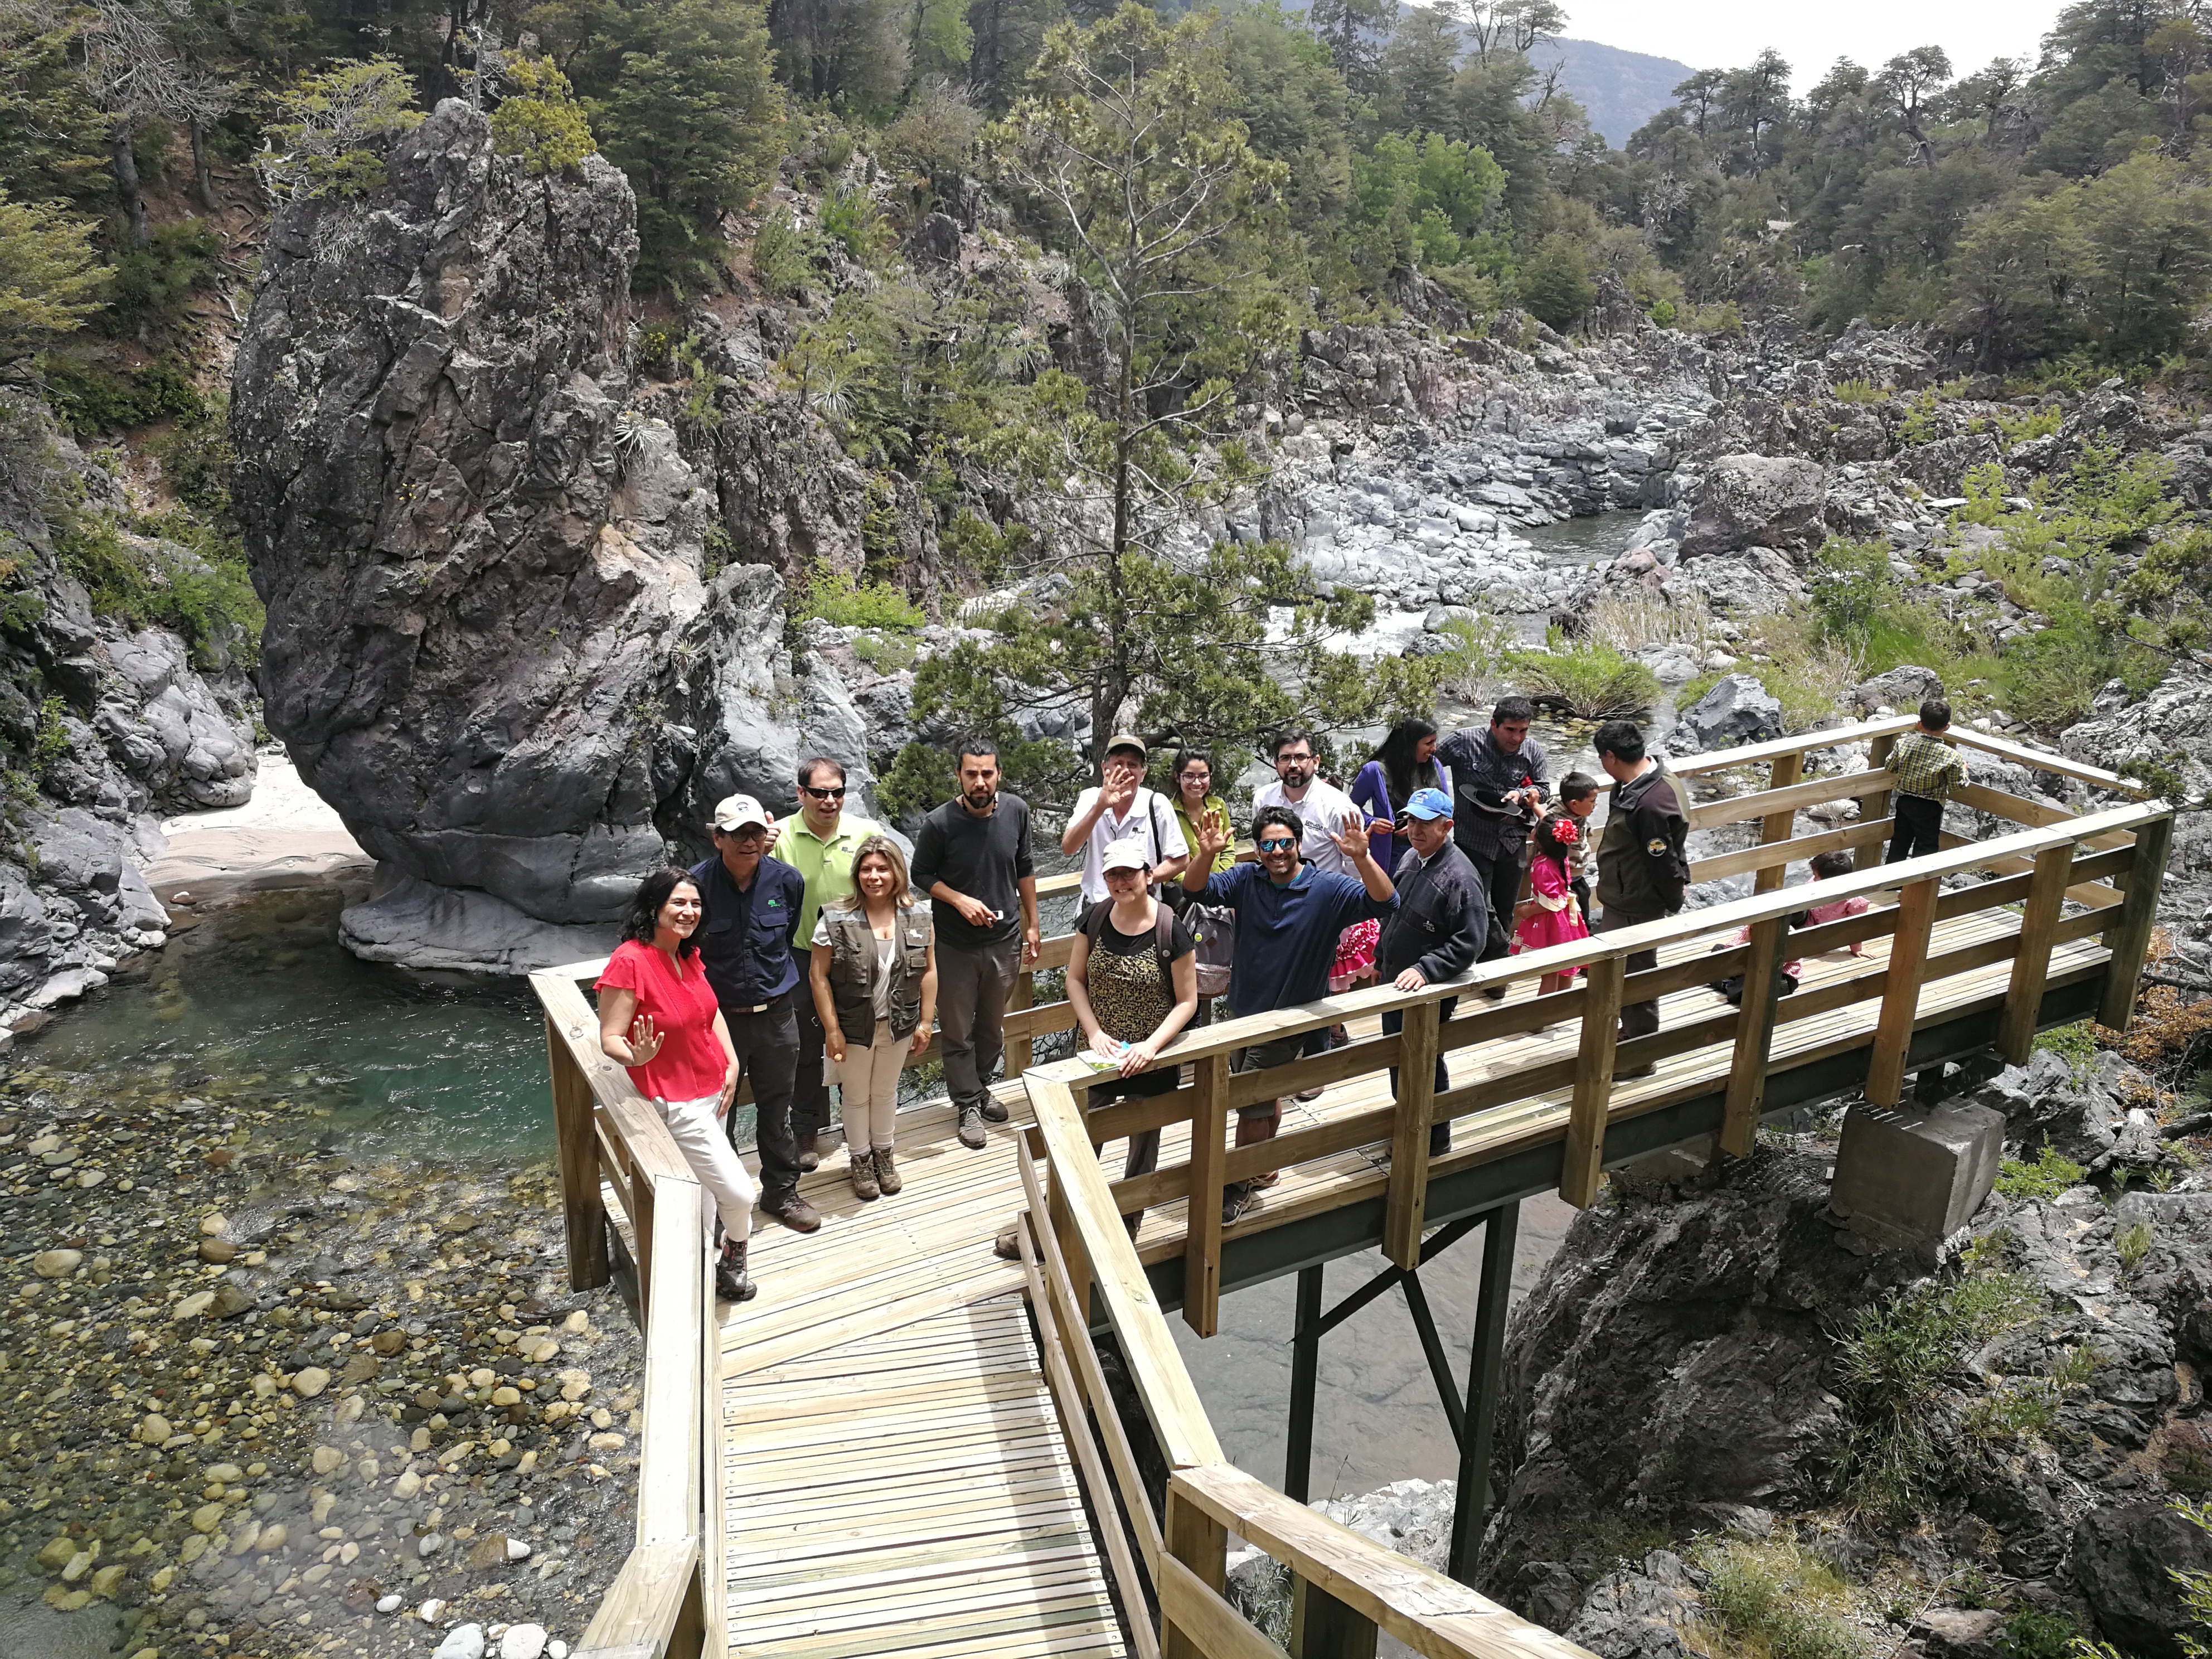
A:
x: 1440, y: 926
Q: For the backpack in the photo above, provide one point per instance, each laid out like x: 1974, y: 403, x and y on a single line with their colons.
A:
x: 1213, y: 927
x: 1163, y: 921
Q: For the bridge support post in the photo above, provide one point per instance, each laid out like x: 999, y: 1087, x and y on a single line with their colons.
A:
x: 2129, y: 937
x: 1201, y: 1261
x: 1305, y: 1371
x: 1593, y: 1095
x: 1198, y: 1542
x: 2030, y: 963
x: 1471, y: 1506
x: 1755, y: 1038
x: 1776, y: 826
x: 1900, y: 994
x: 1322, y: 1627
x: 576, y: 1145
x: 1408, y: 1197
x: 1875, y: 806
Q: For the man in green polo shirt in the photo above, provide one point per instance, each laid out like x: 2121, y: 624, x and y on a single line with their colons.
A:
x: 819, y: 844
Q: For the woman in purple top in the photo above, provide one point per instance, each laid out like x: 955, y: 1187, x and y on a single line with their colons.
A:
x: 1403, y: 762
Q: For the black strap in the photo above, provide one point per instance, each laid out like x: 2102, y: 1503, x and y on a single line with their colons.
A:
x: 1163, y: 921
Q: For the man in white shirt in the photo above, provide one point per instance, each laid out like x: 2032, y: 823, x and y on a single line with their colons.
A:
x: 1122, y: 809
x: 1322, y: 808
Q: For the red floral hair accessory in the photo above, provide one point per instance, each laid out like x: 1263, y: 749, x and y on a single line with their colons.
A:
x: 1564, y: 832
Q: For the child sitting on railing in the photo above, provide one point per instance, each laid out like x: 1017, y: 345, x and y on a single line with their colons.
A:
x: 1550, y: 915
x: 1827, y: 867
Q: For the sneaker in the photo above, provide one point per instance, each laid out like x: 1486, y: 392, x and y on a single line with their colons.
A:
x: 865, y: 1186
x: 887, y: 1175
x: 1649, y: 1068
x: 732, y: 1282
x: 1439, y: 1139
x: 1259, y: 1184
x: 1007, y: 1247
x: 1235, y: 1201
x: 1495, y: 993
x: 994, y: 1110
x: 810, y: 1155
x: 795, y: 1211
x: 1308, y: 1094
x: 971, y: 1128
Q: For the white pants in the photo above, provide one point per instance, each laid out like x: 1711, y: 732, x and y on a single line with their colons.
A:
x: 706, y: 1147
x: 867, y: 1088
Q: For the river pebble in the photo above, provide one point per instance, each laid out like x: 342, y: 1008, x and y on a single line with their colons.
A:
x: 246, y: 1411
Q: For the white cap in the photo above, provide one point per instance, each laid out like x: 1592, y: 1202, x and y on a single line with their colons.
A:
x: 735, y: 812
x: 1127, y: 853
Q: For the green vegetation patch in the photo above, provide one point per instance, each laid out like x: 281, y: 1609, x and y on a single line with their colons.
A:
x: 2047, y: 1175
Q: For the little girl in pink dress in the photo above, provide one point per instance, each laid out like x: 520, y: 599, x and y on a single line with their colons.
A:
x: 1550, y: 915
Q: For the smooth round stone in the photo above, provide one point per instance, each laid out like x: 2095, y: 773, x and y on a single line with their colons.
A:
x: 310, y: 1381
x: 56, y: 1264
x: 522, y: 1641
x: 214, y: 1225
x: 387, y: 1603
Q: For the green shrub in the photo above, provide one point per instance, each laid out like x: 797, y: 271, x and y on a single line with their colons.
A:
x: 783, y: 260
x: 2051, y: 679
x: 656, y: 347
x: 850, y: 218
x: 1861, y: 392
x: 89, y: 398
x: 196, y: 457
x: 886, y: 656
x: 154, y: 284
x: 2134, y: 1242
x: 1776, y: 1599
x: 1588, y: 680
x: 2051, y: 1174
x: 837, y: 596
x: 2075, y: 1044
x: 539, y: 119
x: 2029, y: 1634
x: 2030, y: 424
x: 51, y: 740
x: 207, y: 597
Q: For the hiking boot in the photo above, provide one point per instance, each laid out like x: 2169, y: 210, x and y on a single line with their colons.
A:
x: 887, y: 1175
x: 810, y: 1155
x: 994, y: 1110
x: 1495, y: 993
x: 971, y: 1128
x: 1439, y: 1139
x: 732, y: 1282
x: 1235, y: 1201
x: 795, y: 1211
x: 1647, y: 1069
x: 864, y: 1185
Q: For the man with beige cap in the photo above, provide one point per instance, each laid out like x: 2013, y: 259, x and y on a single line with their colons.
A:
x: 1120, y: 809
x: 753, y: 906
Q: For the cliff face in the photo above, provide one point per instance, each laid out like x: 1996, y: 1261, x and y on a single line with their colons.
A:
x: 489, y: 645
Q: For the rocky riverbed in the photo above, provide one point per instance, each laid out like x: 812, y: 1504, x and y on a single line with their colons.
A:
x: 278, y: 1375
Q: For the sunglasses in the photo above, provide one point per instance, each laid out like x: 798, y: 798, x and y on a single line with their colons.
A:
x: 1276, y: 844
x: 838, y: 793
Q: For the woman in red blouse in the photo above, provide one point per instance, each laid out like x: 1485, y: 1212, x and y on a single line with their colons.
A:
x: 659, y: 1017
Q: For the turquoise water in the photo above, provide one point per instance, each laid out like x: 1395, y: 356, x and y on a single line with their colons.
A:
x: 259, y: 999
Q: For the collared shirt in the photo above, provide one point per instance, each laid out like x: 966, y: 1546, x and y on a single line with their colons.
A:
x: 1147, y: 821
x: 825, y: 866
x: 1286, y: 935
x: 1324, y: 813
x: 1226, y: 857
x: 1482, y: 776
x: 746, y: 937
x: 1926, y: 765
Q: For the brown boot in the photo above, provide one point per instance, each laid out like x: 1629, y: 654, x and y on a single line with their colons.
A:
x: 887, y: 1175
x: 810, y: 1155
x: 864, y: 1177
x: 795, y: 1211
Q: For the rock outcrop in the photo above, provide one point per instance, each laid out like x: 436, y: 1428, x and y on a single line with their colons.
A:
x: 1757, y: 500
x: 489, y: 643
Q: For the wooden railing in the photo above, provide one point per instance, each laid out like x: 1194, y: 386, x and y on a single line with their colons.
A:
x: 1345, y: 1588
x: 669, y: 1597
x: 2108, y: 864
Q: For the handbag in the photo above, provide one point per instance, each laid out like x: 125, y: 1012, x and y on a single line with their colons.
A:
x: 1213, y: 929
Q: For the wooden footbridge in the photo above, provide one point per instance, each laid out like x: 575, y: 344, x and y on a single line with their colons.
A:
x: 907, y: 1445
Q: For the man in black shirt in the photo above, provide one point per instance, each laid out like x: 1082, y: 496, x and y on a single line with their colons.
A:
x: 1643, y: 863
x: 753, y: 903
x: 1439, y: 927
x: 1498, y: 783
x: 972, y: 857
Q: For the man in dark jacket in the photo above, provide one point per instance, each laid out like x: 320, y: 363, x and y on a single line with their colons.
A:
x: 752, y: 906
x: 1499, y: 783
x: 1439, y: 927
x: 1642, y: 869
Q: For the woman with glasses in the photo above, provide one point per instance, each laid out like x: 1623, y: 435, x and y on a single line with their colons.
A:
x: 1195, y: 803
x: 1403, y: 763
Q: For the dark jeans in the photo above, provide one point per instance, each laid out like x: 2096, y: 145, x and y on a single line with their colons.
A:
x: 1394, y: 1021
x: 1500, y: 873
x: 972, y: 989
x: 810, y: 1095
x: 1919, y: 827
x: 1145, y: 1144
x: 768, y: 1050
x: 1636, y: 1018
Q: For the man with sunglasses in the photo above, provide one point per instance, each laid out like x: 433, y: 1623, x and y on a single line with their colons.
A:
x: 1289, y: 914
x: 820, y: 847
x: 752, y: 907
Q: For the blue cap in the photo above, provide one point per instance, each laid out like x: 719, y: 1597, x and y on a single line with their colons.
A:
x: 1429, y: 803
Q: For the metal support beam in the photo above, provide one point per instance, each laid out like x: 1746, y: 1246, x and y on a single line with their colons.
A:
x: 1306, y: 1368
x: 1432, y: 1345
x: 1485, y: 1374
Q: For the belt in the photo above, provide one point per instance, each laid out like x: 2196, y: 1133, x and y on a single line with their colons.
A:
x: 761, y: 1007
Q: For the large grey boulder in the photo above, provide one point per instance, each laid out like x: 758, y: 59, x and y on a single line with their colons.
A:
x: 2123, y: 1560
x: 489, y: 643
x: 1757, y: 500
x: 1738, y: 709
x: 412, y: 924
x: 1903, y: 688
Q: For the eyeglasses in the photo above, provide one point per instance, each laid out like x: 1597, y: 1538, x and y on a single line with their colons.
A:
x: 838, y: 793
x: 1277, y: 844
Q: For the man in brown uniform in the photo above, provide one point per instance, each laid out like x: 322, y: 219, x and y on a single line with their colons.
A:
x: 1642, y: 869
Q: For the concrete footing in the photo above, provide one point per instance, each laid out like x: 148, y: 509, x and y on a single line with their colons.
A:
x: 1911, y: 1176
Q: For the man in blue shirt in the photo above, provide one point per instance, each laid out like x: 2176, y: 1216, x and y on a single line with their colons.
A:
x: 1288, y: 916
x: 753, y: 903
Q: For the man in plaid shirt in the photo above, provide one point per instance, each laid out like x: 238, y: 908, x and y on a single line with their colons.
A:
x: 1928, y: 770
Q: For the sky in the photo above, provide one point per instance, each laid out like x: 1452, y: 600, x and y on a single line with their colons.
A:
x: 1727, y: 33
